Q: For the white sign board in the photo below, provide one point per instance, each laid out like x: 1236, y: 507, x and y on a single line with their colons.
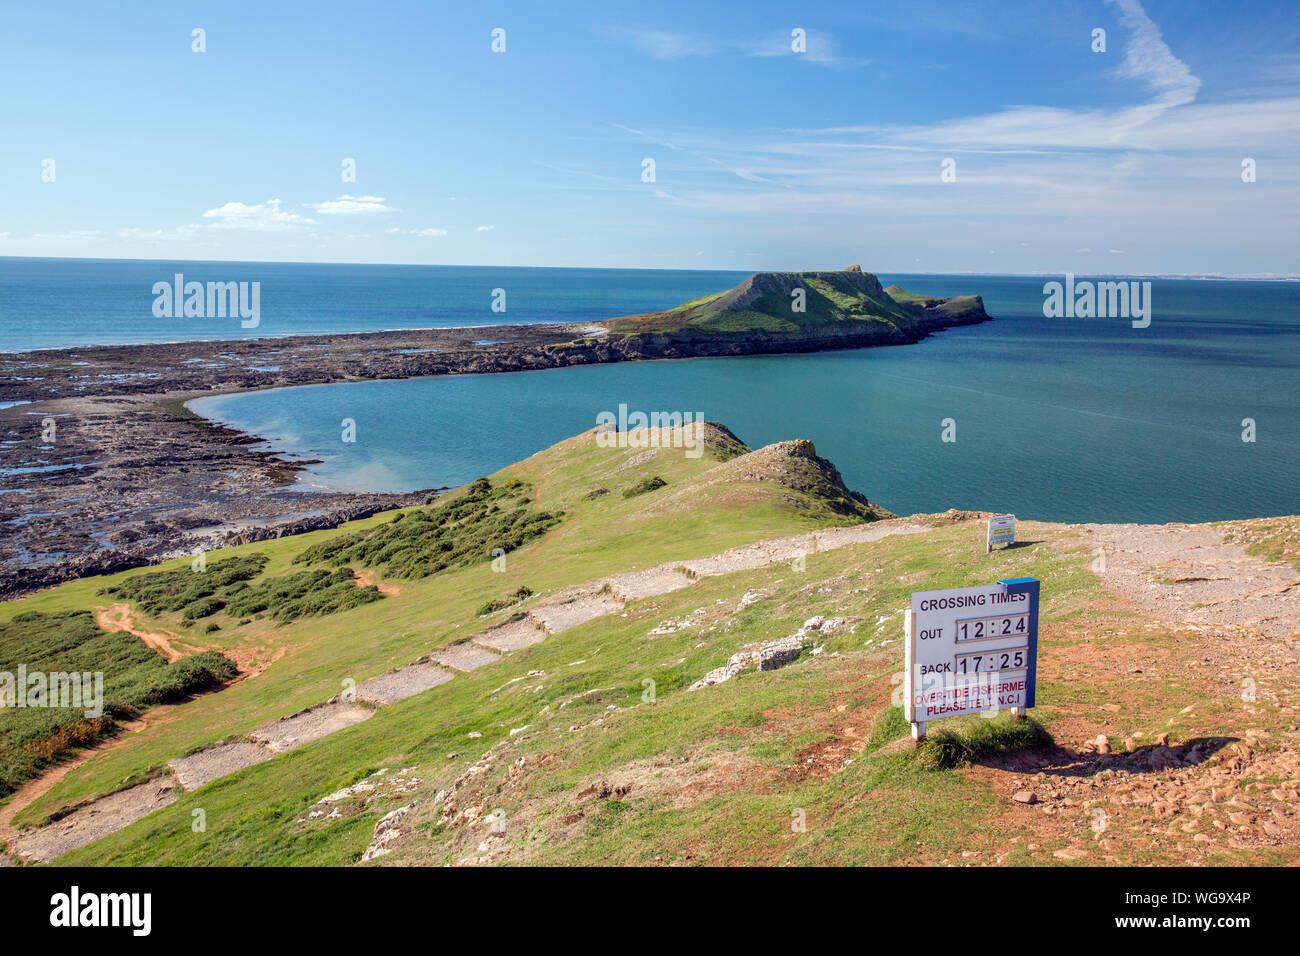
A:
x: 1002, y: 530
x: 971, y: 650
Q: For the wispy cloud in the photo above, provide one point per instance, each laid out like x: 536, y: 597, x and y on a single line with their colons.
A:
x: 1163, y: 164
x: 347, y: 205
x: 72, y: 235
x: 663, y: 44
x: 817, y: 46
x: 160, y: 235
x: 1147, y: 57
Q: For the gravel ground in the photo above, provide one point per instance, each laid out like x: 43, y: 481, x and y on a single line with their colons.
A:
x: 205, y: 766
x: 512, y: 636
x: 465, y: 656
x: 649, y: 583
x: 401, y: 684
x: 97, y: 820
x: 1187, y: 574
x: 313, y: 724
x: 560, y: 617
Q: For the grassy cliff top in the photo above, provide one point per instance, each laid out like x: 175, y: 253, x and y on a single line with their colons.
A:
x: 769, y: 302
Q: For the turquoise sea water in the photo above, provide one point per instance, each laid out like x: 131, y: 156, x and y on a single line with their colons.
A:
x: 58, y: 303
x: 1056, y: 419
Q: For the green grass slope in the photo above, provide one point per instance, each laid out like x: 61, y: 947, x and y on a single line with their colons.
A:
x: 725, y: 497
x: 590, y: 747
x: 849, y: 301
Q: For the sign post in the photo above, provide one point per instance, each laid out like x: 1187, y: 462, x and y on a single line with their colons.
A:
x: 971, y: 650
x: 1001, y: 530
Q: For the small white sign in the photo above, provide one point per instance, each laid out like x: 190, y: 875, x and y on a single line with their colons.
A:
x: 971, y: 650
x: 1002, y: 530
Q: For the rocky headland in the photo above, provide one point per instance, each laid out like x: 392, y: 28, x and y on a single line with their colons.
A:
x: 127, y: 476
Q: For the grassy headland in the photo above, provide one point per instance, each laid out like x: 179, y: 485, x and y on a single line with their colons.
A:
x: 799, y: 304
x: 594, y: 749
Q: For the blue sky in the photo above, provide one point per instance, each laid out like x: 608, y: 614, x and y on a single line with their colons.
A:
x: 1127, y: 161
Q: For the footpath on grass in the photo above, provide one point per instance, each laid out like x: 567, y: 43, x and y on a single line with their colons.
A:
x: 1187, y: 576
x: 557, y: 613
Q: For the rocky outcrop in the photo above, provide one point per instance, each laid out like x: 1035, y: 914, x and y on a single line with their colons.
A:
x: 773, y: 655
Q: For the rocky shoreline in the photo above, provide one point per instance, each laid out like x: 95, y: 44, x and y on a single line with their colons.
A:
x: 102, y: 468
x: 133, y: 480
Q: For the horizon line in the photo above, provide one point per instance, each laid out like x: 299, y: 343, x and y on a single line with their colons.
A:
x: 1226, y: 276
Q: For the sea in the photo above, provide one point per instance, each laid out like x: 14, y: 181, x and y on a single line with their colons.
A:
x: 1195, y: 417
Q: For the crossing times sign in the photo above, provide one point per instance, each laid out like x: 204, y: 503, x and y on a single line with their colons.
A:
x: 971, y: 650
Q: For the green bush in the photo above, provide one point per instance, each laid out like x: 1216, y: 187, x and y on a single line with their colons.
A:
x: 652, y: 483
x: 971, y: 739
x: 304, y: 594
x: 188, y: 590
x: 134, y: 677
x: 455, y: 534
x: 500, y: 604
x: 203, y: 607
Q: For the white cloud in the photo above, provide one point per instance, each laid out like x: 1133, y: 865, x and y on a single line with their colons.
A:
x: 1147, y: 57
x: 1079, y: 160
x: 347, y: 205
x: 423, y: 233
x: 266, y: 216
x: 484, y: 228
x: 1152, y: 176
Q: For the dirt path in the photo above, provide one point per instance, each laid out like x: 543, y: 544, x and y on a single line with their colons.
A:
x: 38, y: 787
x: 1237, y: 617
x: 537, y: 499
x: 253, y: 659
x: 1189, y: 576
x: 367, y: 577
x: 119, y: 618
